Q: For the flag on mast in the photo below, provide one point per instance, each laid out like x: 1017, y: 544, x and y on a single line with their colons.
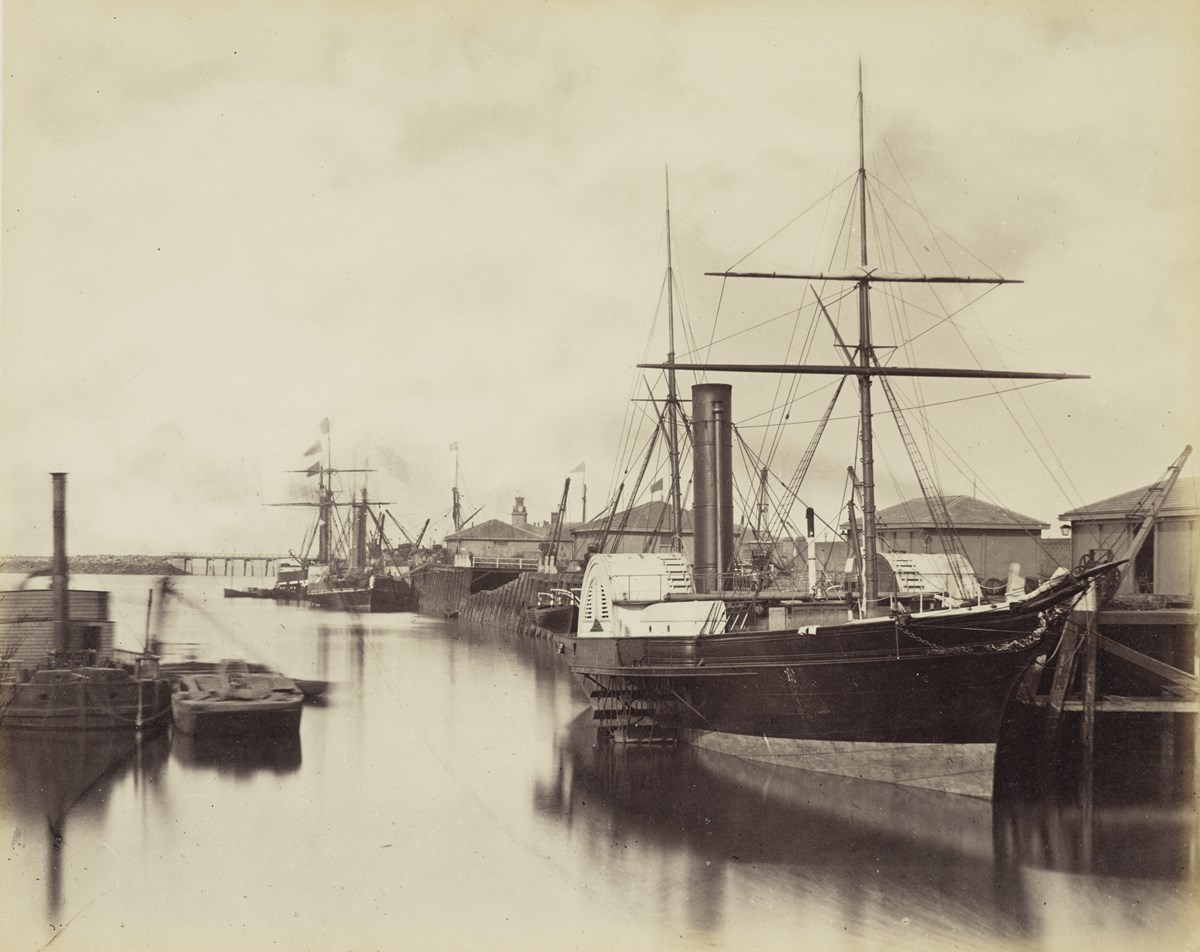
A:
x: 314, y: 449
x: 581, y: 468
x: 657, y: 487
x: 325, y: 425
x: 453, y: 447
x: 314, y: 469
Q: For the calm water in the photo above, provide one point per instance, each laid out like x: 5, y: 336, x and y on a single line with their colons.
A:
x: 448, y: 795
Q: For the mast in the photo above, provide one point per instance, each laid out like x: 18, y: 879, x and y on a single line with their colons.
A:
x: 58, y: 581
x: 323, y: 469
x: 861, y: 362
x: 865, y: 355
x: 325, y: 501
x: 456, y: 503
x: 672, y: 393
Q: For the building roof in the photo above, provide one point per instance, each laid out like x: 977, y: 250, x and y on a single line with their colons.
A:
x: 966, y: 512
x: 649, y: 517
x: 1184, y: 500
x: 497, y: 530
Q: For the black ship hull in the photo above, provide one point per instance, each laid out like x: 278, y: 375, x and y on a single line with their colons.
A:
x: 556, y: 619
x: 373, y: 594
x: 869, y: 698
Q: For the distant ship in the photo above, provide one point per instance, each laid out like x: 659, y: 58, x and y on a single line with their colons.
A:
x: 354, y: 569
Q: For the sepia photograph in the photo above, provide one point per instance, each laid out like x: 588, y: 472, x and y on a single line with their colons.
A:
x: 521, y: 476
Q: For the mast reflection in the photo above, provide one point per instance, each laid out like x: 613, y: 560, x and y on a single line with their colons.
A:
x: 48, y: 775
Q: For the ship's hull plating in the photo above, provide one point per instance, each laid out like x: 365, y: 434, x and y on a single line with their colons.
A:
x: 385, y: 595
x: 882, y: 692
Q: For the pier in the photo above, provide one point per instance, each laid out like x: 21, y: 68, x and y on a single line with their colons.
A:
x: 225, y: 563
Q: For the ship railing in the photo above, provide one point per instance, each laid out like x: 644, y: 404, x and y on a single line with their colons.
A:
x: 187, y: 650
x: 510, y: 563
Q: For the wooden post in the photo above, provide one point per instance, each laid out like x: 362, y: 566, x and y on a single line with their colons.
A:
x: 1089, y: 708
x: 1063, y: 671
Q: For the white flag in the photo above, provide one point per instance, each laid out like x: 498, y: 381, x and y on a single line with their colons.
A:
x: 581, y: 468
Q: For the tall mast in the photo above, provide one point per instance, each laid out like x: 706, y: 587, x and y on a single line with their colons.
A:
x: 325, y: 502
x: 58, y: 582
x: 672, y: 393
x: 865, y: 353
x: 456, y: 504
x: 862, y: 364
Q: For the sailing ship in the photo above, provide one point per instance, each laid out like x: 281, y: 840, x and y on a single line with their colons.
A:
x: 871, y: 685
x: 58, y: 667
x: 354, y: 569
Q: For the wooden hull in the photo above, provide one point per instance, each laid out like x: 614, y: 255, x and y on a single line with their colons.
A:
x: 227, y: 718
x: 557, y: 619
x: 249, y: 593
x: 233, y: 701
x: 311, y: 688
x: 85, y: 699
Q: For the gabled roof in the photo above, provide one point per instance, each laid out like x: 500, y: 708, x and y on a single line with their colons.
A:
x: 496, y: 530
x: 966, y: 512
x: 649, y: 517
x: 1184, y: 500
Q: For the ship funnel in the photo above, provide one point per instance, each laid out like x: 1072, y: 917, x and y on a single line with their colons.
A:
x: 712, y: 511
x: 58, y: 583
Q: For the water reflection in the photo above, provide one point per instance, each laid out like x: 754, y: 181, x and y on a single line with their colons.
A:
x: 927, y: 853
x: 452, y: 763
x: 237, y: 757
x: 1148, y: 841
x: 46, y: 779
x: 872, y: 854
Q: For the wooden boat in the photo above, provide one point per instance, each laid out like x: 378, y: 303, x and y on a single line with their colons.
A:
x: 233, y: 700
x: 249, y: 593
x: 85, y: 697
x: 311, y: 688
x: 556, y: 611
x: 870, y: 685
x: 58, y: 661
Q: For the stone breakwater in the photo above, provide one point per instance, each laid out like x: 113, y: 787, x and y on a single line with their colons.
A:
x: 93, y: 565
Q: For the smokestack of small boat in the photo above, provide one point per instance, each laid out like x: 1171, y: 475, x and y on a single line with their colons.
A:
x: 712, y: 484
x: 58, y: 584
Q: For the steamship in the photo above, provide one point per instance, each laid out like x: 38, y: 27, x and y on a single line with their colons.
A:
x: 872, y: 685
x: 58, y: 667
x: 354, y: 570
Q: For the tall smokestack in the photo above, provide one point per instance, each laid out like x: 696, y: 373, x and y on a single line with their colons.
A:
x: 810, y: 519
x: 58, y: 586
x: 358, y: 553
x: 712, y: 511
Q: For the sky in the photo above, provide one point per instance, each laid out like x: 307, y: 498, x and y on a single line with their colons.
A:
x: 437, y: 224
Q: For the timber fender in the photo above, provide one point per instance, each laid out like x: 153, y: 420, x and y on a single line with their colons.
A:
x: 504, y: 607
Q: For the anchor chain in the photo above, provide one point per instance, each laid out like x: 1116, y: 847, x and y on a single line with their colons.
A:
x: 1046, y: 619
